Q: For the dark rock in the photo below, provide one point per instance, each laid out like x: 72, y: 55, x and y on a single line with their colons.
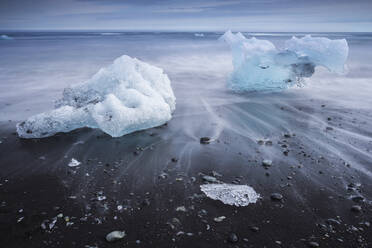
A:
x: 146, y: 202
x: 313, y: 244
x: 267, y: 163
x: 333, y: 222
x: 233, y: 238
x: 276, y: 197
x: 357, y: 198
x: 205, y: 140
x: 356, y: 208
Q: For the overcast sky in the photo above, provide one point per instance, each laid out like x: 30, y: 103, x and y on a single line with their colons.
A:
x: 191, y: 15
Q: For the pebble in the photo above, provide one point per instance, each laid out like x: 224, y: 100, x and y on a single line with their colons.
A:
x: 205, y: 140
x: 333, y: 222
x: 233, y: 238
x: 115, y: 235
x: 357, y: 198
x: 313, y: 244
x: 356, y: 208
x: 276, y: 197
x: 267, y: 163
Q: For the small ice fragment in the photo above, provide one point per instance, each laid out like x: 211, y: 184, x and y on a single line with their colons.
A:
x: 231, y: 194
x: 20, y: 219
x: 119, y: 207
x: 115, y: 235
x: 74, y: 163
x: 199, y: 35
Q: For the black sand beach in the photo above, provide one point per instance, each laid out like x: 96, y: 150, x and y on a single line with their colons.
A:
x: 137, y: 172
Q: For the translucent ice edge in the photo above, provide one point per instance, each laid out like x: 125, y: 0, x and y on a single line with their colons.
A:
x: 126, y: 96
x: 231, y: 194
x: 259, y: 65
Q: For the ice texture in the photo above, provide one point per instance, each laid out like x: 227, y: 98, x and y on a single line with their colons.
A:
x: 259, y: 65
x: 231, y: 194
x: 126, y: 96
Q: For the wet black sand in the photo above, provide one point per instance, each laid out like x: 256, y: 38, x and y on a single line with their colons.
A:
x: 137, y: 172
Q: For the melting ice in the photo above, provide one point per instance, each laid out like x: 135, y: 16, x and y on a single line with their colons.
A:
x: 259, y: 65
x: 127, y: 96
x: 231, y: 194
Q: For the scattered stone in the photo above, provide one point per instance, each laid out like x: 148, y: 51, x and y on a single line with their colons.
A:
x: 268, y: 143
x: 174, y: 160
x: 115, y: 235
x: 313, y: 244
x: 219, y: 219
x: 333, y: 222
x: 163, y: 175
x: 276, y: 197
x: 287, y: 135
x: 267, y: 163
x: 357, y: 198
x: 365, y: 224
x: 205, y: 140
x: 356, y: 208
x: 146, y: 202
x: 233, y: 238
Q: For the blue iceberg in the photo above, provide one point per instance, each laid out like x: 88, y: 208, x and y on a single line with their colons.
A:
x: 259, y: 65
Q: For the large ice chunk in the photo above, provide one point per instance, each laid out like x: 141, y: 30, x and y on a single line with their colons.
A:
x: 127, y: 96
x: 231, y: 194
x: 259, y: 65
